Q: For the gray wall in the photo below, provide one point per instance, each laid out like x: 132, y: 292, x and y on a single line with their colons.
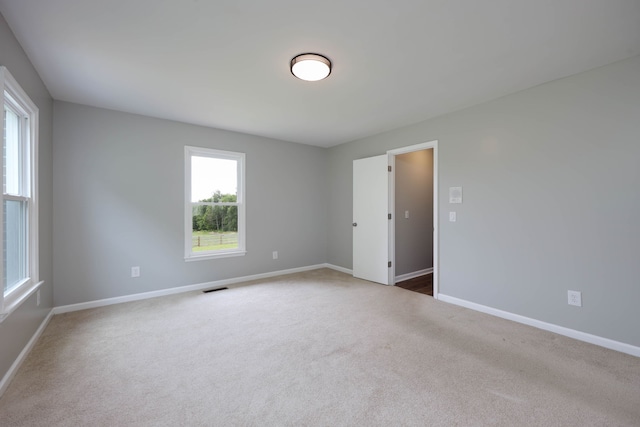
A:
x: 119, y: 194
x: 414, y: 193
x: 551, y: 200
x: 20, y: 326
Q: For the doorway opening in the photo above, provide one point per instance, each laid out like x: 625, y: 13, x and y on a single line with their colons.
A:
x: 413, y: 199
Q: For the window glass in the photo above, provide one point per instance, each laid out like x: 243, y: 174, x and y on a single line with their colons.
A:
x: 215, y: 206
x: 14, y: 243
x: 11, y: 157
x: 210, y: 175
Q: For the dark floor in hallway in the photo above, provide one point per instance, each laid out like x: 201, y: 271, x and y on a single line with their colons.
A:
x: 422, y: 284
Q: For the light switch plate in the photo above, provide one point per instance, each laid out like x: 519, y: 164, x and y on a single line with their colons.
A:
x: 455, y: 194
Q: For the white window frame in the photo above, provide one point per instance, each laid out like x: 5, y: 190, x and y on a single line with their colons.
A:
x: 190, y: 152
x: 11, y: 93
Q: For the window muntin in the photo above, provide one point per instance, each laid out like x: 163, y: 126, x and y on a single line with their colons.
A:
x: 214, y: 204
x: 19, y: 214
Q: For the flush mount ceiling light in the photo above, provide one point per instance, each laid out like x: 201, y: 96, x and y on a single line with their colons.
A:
x: 310, y: 67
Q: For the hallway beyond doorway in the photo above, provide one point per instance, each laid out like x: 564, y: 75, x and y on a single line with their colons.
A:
x: 421, y: 284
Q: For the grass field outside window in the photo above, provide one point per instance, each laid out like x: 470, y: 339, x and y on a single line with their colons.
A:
x: 213, y: 241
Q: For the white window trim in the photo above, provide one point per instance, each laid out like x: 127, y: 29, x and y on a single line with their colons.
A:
x: 189, y: 152
x: 22, y: 292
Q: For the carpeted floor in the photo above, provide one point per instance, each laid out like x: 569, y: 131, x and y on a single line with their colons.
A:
x: 315, y: 348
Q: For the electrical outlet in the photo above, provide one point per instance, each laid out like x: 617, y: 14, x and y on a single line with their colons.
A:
x: 38, y: 298
x: 575, y: 298
x: 135, y: 271
x: 452, y: 217
x: 275, y: 254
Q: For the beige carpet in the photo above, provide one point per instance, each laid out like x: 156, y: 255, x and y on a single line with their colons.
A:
x: 316, y: 348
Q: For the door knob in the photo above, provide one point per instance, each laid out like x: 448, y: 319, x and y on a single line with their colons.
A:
x: 355, y: 224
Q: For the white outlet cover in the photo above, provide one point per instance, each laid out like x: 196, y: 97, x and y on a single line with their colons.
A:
x: 574, y: 298
x: 452, y: 217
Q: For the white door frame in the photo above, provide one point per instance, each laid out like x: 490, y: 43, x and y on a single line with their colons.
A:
x: 392, y: 202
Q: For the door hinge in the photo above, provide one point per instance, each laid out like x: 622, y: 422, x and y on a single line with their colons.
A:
x: 389, y: 216
x: 389, y: 168
x: 389, y: 264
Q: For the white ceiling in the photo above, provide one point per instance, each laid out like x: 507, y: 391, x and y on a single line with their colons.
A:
x: 225, y: 63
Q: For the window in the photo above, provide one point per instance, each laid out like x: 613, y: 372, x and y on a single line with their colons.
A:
x: 19, y: 214
x: 214, y: 204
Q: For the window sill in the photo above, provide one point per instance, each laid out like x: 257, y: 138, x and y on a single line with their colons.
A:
x: 11, y: 303
x: 214, y: 256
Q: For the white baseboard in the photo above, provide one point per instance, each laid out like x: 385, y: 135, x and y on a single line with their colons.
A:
x: 340, y: 269
x: 188, y: 288
x: 4, y: 383
x: 561, y: 330
x: 413, y: 275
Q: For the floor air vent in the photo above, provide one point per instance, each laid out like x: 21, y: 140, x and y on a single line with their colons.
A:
x: 214, y: 290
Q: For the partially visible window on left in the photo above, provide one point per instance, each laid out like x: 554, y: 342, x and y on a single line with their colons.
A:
x: 19, y: 214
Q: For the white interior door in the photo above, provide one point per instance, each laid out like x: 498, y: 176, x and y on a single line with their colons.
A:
x: 370, y: 219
